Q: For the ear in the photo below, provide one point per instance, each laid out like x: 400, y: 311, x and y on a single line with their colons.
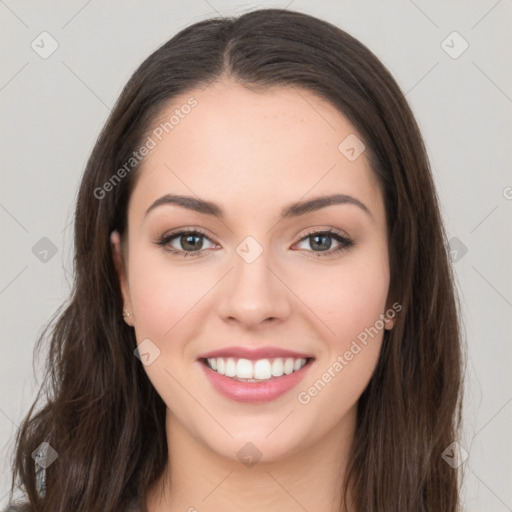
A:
x: 389, y: 323
x: 120, y: 265
x: 391, y: 315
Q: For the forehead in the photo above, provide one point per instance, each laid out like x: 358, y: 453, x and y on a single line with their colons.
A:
x: 252, y: 149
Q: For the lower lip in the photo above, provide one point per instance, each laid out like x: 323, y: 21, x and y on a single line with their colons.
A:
x: 254, y: 392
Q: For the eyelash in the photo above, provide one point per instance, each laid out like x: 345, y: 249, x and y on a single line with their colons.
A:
x: 345, y: 242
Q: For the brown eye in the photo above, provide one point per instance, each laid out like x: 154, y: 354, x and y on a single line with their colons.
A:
x: 321, y: 241
x: 189, y: 242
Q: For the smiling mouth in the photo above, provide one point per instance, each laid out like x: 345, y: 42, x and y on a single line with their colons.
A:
x: 261, y: 370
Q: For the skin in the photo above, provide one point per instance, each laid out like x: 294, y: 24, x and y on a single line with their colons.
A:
x: 253, y: 154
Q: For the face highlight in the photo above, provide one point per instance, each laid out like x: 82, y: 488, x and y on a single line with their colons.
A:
x: 230, y: 244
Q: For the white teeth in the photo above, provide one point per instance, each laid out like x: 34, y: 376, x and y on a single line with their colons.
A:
x: 230, y: 367
x: 245, y: 369
x: 277, y: 368
x: 262, y: 369
x: 288, y: 366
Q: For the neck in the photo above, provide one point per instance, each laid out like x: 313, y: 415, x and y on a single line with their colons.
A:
x: 197, y: 479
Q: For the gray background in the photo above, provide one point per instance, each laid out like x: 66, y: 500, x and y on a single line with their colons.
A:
x: 53, y: 109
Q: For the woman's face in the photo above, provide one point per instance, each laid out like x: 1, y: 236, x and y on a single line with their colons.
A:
x: 264, y: 289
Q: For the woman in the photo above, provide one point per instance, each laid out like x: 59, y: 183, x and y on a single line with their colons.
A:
x: 263, y: 312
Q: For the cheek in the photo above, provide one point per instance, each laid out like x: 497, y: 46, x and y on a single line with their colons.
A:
x: 347, y: 298
x: 361, y: 300
x: 164, y: 296
x: 161, y: 294
x: 351, y: 309
x: 356, y: 298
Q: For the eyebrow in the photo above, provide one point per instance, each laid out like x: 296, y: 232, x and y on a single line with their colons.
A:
x: 292, y: 210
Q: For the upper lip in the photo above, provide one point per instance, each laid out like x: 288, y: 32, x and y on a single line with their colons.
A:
x: 254, y: 354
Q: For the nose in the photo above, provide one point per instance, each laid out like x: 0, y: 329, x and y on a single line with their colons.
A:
x: 254, y: 293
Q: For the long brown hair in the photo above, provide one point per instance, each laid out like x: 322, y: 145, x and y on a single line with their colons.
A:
x: 99, y: 404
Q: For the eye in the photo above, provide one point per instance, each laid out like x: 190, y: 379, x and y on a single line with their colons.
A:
x: 190, y: 240
x: 322, y: 240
